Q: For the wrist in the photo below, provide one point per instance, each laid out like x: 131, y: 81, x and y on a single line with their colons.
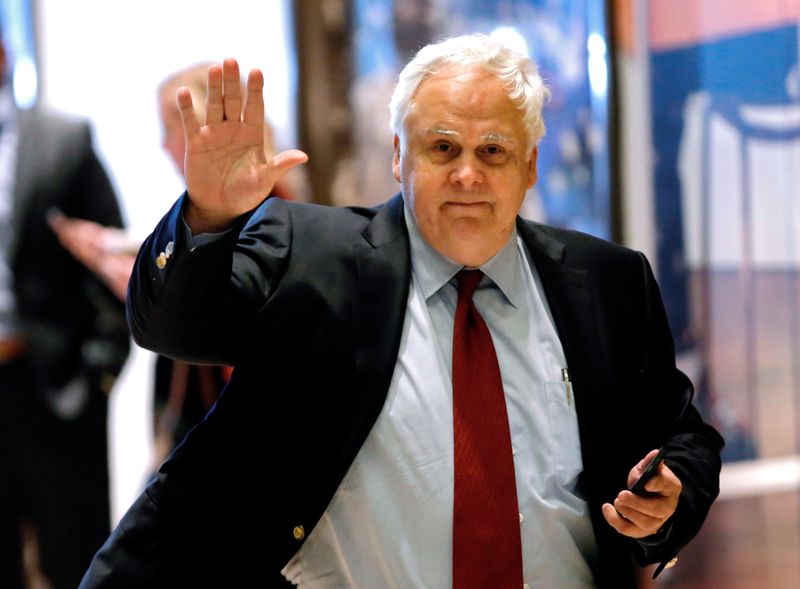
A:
x: 202, y: 221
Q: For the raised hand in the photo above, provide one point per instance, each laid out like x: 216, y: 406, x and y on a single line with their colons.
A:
x: 227, y: 171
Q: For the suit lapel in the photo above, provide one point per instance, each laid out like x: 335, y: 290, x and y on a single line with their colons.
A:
x: 384, y: 273
x: 569, y: 292
x: 572, y: 296
x: 25, y: 175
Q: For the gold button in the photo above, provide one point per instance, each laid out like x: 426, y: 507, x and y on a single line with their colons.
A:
x: 672, y: 563
x: 299, y: 532
x: 161, y: 261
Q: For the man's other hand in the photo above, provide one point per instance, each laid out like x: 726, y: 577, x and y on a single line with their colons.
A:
x: 638, y: 516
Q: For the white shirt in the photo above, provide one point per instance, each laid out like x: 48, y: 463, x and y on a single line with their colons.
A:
x: 389, y: 525
x: 8, y: 166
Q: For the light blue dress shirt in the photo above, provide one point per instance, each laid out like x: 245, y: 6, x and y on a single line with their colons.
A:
x: 389, y: 524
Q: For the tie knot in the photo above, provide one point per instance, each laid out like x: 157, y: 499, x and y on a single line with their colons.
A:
x: 467, y: 282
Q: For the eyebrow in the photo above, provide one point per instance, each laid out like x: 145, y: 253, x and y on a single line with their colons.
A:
x: 497, y: 137
x: 489, y: 137
x: 440, y: 131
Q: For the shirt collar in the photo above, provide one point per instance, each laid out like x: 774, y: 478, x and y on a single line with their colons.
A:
x: 432, y: 270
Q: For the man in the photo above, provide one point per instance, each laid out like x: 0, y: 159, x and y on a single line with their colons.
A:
x: 384, y: 427
x: 62, y: 340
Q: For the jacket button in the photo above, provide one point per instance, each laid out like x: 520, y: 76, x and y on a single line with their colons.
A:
x: 299, y: 532
x: 161, y: 261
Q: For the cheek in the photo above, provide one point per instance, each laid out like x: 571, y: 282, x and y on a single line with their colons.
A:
x: 422, y: 208
x: 425, y: 194
x: 175, y: 148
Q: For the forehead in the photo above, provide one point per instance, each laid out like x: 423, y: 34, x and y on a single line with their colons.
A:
x: 464, y: 100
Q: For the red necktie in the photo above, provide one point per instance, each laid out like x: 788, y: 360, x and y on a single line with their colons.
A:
x: 487, y: 549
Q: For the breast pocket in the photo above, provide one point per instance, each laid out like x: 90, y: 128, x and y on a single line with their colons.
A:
x: 565, y: 442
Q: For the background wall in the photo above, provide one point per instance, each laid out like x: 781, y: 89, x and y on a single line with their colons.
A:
x: 104, y: 60
x: 710, y: 106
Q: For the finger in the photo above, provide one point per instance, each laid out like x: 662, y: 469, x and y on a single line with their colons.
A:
x: 624, y: 526
x: 644, y: 521
x: 637, y: 470
x: 620, y: 524
x: 55, y: 218
x: 656, y: 506
x: 232, y: 90
x: 280, y: 164
x: 286, y: 160
x: 665, y: 483
x: 254, y: 106
x: 191, y: 124
x: 215, y: 111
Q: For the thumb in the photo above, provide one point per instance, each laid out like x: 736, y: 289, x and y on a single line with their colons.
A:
x: 286, y: 160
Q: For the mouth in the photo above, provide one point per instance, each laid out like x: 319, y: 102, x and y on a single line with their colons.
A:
x: 457, y: 210
x: 466, y: 207
x: 460, y: 203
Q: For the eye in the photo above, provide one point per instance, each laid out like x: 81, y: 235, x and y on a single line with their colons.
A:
x: 493, y: 154
x: 444, y: 150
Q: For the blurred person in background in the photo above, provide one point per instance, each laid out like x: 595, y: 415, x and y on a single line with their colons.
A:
x: 63, y: 340
x: 183, y: 392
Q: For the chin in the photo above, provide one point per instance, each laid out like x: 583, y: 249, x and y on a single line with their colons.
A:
x: 472, y: 242
x: 470, y: 252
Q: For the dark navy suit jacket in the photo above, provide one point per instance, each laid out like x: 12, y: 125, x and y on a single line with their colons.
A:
x: 308, y: 303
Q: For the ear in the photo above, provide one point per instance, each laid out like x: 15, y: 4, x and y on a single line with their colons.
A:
x: 396, y: 158
x: 532, y: 171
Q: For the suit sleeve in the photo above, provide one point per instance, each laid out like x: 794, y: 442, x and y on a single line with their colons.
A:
x: 693, y: 445
x: 199, y: 304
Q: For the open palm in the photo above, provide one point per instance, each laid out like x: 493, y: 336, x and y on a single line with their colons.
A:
x: 227, y: 171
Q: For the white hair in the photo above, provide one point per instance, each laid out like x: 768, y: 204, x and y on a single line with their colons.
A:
x: 517, y: 71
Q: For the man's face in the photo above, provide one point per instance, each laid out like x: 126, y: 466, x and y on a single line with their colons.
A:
x: 463, y: 163
x: 172, y: 139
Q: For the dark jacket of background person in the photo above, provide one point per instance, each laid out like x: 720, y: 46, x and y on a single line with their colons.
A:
x: 308, y: 303
x: 72, y: 325
x: 53, y: 460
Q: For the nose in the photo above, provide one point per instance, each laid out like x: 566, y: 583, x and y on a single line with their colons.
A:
x: 466, y: 173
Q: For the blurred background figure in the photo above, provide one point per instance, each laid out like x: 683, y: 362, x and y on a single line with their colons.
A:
x: 63, y: 340
x: 183, y: 393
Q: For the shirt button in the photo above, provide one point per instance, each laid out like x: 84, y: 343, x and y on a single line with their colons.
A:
x: 513, y: 451
x: 521, y: 518
x: 526, y: 586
